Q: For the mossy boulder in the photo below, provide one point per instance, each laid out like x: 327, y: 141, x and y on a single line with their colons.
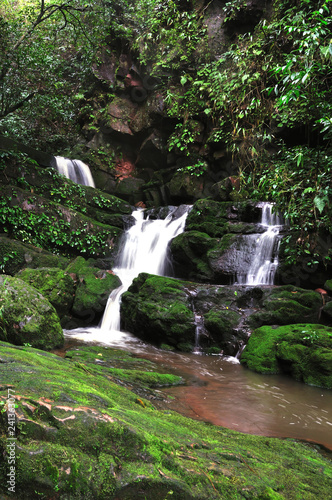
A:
x: 328, y: 286
x: 286, y: 305
x: 54, y: 284
x: 213, y: 217
x: 15, y: 255
x: 27, y: 317
x: 222, y: 325
x: 93, y: 286
x: 81, y: 435
x: 189, y: 251
x: 158, y: 309
x: 303, y: 351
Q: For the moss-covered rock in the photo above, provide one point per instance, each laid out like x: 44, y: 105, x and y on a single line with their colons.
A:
x: 50, y: 225
x: 189, y: 250
x: 54, y: 284
x: 302, y: 350
x: 15, y: 255
x: 222, y: 325
x: 158, y: 309
x: 82, y: 436
x: 286, y: 305
x: 26, y: 316
x: 93, y: 286
x: 213, y: 217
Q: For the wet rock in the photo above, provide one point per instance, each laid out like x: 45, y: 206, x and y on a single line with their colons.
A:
x: 54, y: 284
x: 286, y: 305
x: 189, y: 253
x: 158, y: 309
x: 303, y: 351
x: 16, y: 255
x: 92, y: 290
x: 27, y: 316
x: 163, y: 311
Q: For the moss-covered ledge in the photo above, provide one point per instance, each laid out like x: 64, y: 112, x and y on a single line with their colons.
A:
x: 82, y: 436
x: 302, y: 350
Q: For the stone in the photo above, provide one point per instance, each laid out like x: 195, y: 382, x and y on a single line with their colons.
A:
x: 303, y: 351
x: 54, y: 284
x: 92, y: 291
x: 158, y: 309
x: 27, y: 317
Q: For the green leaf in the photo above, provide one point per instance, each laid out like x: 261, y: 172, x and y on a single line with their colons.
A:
x: 320, y: 203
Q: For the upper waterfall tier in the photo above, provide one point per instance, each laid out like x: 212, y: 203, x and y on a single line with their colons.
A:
x: 75, y: 170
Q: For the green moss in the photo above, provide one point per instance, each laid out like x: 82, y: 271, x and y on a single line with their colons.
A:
x: 27, y: 317
x: 54, y: 284
x: 287, y: 305
x: 158, y: 309
x: 93, y: 286
x: 302, y: 350
x: 82, y: 436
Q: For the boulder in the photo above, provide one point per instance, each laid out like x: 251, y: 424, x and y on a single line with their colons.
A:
x: 170, y: 311
x: 287, y: 304
x: 54, y: 284
x: 158, y: 309
x: 93, y: 286
x: 26, y: 316
x: 16, y: 255
x: 303, y: 351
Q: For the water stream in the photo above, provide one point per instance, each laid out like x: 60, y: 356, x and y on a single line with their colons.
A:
x: 218, y: 390
x: 221, y: 391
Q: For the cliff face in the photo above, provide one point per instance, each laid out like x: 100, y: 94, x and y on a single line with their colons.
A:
x: 133, y: 140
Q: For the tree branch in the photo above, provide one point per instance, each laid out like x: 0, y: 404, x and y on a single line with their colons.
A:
x: 16, y: 106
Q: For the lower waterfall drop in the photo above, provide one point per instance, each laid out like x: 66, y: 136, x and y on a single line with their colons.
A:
x: 264, y: 249
x: 75, y: 170
x: 145, y: 249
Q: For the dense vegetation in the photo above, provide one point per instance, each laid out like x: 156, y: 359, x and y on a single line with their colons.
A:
x: 266, y: 97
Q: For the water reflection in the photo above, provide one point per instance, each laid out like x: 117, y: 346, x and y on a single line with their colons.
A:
x: 224, y: 393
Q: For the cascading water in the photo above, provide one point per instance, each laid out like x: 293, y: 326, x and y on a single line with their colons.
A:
x: 75, y: 170
x: 264, y: 250
x: 145, y: 249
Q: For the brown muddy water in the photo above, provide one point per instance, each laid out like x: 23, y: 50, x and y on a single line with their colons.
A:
x: 221, y: 391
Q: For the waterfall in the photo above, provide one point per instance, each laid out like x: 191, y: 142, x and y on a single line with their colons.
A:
x: 264, y: 249
x: 75, y: 170
x: 144, y: 249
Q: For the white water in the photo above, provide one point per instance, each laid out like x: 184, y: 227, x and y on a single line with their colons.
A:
x: 264, y: 248
x: 75, y: 170
x: 145, y: 249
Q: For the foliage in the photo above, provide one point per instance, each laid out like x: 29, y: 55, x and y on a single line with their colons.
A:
x: 167, y: 36
x: 299, y: 181
x: 47, y: 50
x: 50, y: 232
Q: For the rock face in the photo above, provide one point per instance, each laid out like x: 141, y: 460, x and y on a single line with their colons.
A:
x: 27, y: 317
x: 165, y: 310
x: 303, y: 351
x: 56, y: 214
